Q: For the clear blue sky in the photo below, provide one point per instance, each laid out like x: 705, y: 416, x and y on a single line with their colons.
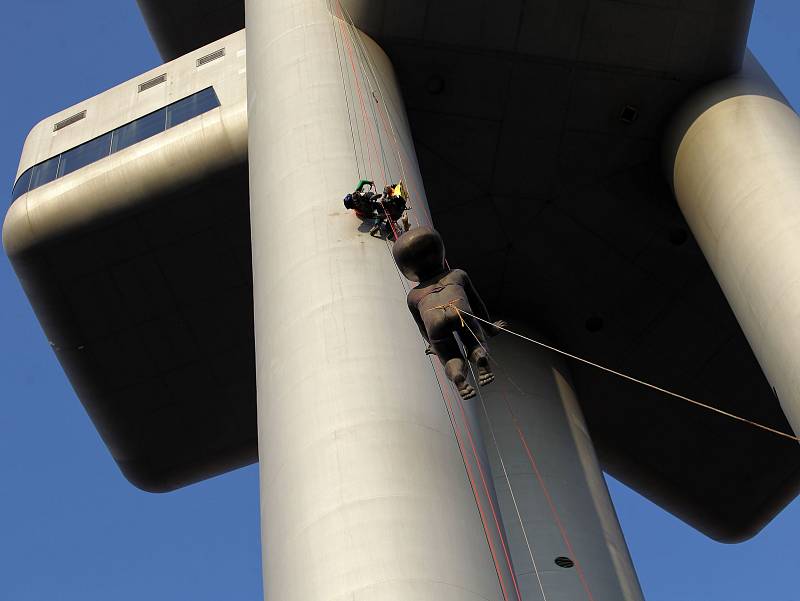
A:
x: 71, y: 528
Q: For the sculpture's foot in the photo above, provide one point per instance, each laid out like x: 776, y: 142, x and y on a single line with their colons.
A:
x: 485, y: 374
x: 456, y: 371
x: 466, y: 390
x: 486, y: 378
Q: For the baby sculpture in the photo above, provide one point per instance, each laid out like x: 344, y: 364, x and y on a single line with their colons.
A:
x: 419, y: 253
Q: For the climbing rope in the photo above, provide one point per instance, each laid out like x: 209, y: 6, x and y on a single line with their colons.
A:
x: 350, y: 42
x: 528, y: 544
x: 554, y: 512
x: 383, y: 112
x: 368, y: 124
x: 635, y: 380
x: 390, y: 220
x: 347, y: 96
x: 534, y: 466
x: 470, y: 476
x: 449, y: 399
x: 484, y: 480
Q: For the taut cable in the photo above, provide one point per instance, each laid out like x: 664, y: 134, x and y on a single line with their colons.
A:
x: 632, y: 379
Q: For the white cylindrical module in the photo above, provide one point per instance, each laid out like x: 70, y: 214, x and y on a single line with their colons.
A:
x: 563, y: 532
x: 736, y: 175
x: 364, y: 494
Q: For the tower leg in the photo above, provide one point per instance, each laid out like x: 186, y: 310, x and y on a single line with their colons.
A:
x: 734, y: 162
x: 364, y: 494
x: 557, y: 509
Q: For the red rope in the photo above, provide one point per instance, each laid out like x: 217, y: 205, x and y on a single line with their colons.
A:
x: 451, y: 413
x: 548, y: 497
x: 489, y: 497
x: 390, y: 220
x: 535, y: 468
x: 399, y: 151
x: 356, y: 77
x: 387, y: 125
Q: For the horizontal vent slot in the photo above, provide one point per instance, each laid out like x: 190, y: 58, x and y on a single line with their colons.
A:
x: 151, y: 83
x: 204, y: 60
x: 69, y: 120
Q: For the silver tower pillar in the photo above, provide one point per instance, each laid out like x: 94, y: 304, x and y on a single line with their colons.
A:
x: 363, y: 491
x: 364, y: 495
x: 733, y: 158
x: 557, y: 506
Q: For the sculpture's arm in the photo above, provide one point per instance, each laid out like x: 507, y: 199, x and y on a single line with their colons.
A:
x: 474, y: 299
x: 479, y: 307
x: 418, y: 318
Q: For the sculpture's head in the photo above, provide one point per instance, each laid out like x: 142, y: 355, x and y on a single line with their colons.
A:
x: 419, y: 253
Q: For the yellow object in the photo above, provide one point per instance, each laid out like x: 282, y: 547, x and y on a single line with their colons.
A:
x: 397, y: 190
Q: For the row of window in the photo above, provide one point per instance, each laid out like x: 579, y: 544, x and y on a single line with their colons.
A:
x: 122, y: 137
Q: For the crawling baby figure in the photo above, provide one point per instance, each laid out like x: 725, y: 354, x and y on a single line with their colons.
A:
x: 419, y: 253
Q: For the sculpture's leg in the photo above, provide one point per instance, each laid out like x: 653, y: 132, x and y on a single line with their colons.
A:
x: 735, y: 167
x: 556, y: 480
x: 480, y: 358
x: 456, y: 371
x: 364, y: 495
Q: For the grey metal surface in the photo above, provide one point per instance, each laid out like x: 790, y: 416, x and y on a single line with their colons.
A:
x: 465, y: 415
x: 751, y: 79
x: 736, y: 179
x: 679, y: 37
x: 363, y: 491
x: 534, y: 424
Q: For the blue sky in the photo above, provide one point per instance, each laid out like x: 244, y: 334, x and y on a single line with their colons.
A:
x: 71, y: 527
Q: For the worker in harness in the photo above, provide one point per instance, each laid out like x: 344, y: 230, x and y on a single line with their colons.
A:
x: 437, y: 302
x: 386, y: 209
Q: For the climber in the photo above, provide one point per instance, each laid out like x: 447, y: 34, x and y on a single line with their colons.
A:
x: 385, y: 209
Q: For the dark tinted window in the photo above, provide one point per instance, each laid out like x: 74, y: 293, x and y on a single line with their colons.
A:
x: 194, y: 105
x: 122, y: 137
x: 91, y: 151
x: 44, y: 172
x: 142, y: 128
x: 22, y: 185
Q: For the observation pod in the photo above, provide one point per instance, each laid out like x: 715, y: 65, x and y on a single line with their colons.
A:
x: 129, y: 233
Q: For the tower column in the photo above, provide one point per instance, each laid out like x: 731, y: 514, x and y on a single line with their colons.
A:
x: 734, y: 162
x: 364, y: 494
x: 562, y: 528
